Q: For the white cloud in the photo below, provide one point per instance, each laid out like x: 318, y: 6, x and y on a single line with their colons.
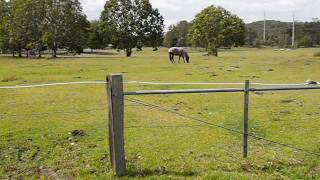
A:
x: 249, y: 10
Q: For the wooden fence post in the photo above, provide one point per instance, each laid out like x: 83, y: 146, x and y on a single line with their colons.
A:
x: 116, y: 111
x: 245, y: 118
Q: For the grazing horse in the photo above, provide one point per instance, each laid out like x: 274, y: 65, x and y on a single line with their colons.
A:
x: 176, y: 51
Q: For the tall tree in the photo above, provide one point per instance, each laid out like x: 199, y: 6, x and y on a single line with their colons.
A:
x: 18, y: 25
x: 4, y: 33
x: 178, y: 34
x: 150, y: 24
x: 132, y: 22
x: 66, y: 26
x: 215, y: 27
x: 76, y: 27
x: 96, y: 39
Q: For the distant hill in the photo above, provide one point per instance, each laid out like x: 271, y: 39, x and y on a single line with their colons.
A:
x: 279, y: 33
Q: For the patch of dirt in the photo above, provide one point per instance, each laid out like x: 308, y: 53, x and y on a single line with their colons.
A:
x: 285, y: 112
x: 259, y: 93
x: 287, y: 101
x: 78, y: 133
x: 253, y: 77
x: 48, y: 173
x: 315, y: 171
x: 236, y: 67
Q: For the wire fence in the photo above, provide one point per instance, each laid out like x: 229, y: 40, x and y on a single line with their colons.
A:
x: 256, y: 139
x: 202, y: 121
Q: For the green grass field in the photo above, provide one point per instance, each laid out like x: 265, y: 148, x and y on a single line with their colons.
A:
x: 36, y: 124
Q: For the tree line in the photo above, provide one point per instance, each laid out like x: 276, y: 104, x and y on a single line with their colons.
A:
x: 133, y: 24
x: 278, y: 34
x: 40, y: 25
x: 52, y: 25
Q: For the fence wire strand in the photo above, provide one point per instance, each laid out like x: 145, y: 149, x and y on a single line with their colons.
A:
x: 164, y: 109
x: 149, y: 83
x: 54, y: 113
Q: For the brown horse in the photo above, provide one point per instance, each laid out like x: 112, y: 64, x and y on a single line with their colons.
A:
x: 177, y: 51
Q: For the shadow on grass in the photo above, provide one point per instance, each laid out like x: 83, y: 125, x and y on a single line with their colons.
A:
x: 134, y: 172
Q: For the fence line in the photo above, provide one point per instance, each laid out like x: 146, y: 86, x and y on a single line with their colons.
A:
x: 51, y: 84
x: 209, y: 83
x: 149, y: 83
x: 220, y: 126
x: 116, y: 104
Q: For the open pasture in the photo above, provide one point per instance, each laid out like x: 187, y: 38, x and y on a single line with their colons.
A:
x: 61, y: 131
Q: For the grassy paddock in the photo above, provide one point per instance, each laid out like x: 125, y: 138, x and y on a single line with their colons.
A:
x: 36, y: 125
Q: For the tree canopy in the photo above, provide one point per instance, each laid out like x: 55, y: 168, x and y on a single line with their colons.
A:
x: 178, y: 35
x: 214, y: 27
x: 40, y: 24
x: 4, y: 17
x: 132, y: 23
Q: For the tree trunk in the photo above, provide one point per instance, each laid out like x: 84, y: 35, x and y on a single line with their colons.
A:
x: 129, y: 52
x: 20, y: 52
x: 13, y: 55
x: 39, y: 53
x: 216, y: 52
x: 54, y: 52
x: 212, y: 49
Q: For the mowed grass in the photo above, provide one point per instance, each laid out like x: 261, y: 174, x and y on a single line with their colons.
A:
x: 36, y: 124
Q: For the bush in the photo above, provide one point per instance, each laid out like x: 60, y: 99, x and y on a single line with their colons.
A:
x: 316, y: 54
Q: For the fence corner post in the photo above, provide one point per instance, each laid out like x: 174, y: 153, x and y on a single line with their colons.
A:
x: 116, y: 122
x: 246, y: 118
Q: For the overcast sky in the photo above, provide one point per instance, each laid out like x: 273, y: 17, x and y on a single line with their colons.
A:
x: 249, y: 10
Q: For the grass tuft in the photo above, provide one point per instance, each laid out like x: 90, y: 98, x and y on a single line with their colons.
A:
x: 10, y: 79
x: 316, y: 54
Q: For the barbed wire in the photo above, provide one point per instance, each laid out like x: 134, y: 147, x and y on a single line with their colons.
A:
x: 220, y: 126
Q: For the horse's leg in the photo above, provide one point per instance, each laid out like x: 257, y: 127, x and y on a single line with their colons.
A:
x: 171, y: 56
x: 179, y: 58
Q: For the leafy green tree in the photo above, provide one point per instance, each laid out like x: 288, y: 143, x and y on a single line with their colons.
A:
x: 150, y: 24
x: 65, y: 26
x: 18, y: 25
x: 215, y: 27
x: 252, y: 37
x: 4, y: 34
x: 76, y: 27
x: 178, y: 35
x: 96, y: 39
x: 132, y: 23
